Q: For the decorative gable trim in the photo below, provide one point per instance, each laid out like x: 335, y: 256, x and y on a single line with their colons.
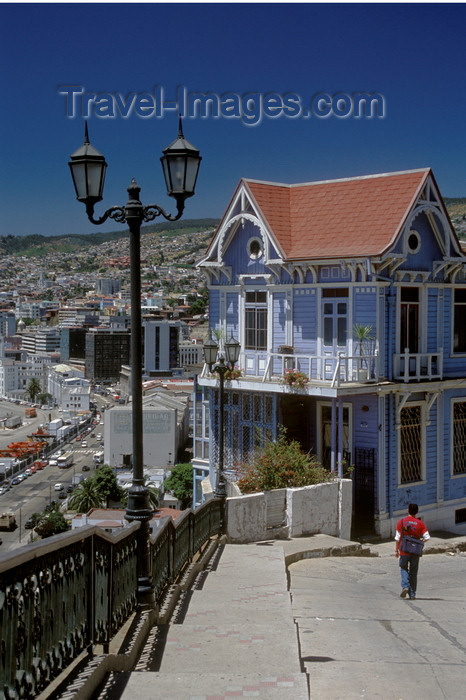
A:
x: 242, y: 208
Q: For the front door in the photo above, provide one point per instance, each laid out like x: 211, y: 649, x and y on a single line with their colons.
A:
x: 335, y: 328
x: 409, y: 326
x: 326, y: 435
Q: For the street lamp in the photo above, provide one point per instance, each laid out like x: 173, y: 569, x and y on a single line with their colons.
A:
x: 226, y: 361
x: 180, y: 164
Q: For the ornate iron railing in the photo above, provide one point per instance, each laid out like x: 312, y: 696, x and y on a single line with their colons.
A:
x: 63, y: 595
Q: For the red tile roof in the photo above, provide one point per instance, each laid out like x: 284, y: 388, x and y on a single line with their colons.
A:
x: 337, y: 218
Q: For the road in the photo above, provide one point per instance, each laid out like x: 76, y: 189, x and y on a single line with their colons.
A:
x: 33, y: 494
x: 360, y: 640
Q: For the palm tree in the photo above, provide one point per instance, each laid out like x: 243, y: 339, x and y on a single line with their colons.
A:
x: 34, y: 388
x: 153, y: 493
x: 85, y: 497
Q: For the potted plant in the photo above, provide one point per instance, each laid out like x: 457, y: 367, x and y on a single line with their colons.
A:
x: 232, y: 374
x: 364, y: 335
x: 295, y: 379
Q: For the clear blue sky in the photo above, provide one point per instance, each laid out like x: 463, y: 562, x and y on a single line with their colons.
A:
x: 414, y: 55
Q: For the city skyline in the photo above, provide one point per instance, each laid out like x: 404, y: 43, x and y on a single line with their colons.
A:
x: 288, y: 89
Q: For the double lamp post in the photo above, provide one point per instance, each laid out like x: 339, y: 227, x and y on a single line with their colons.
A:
x: 221, y: 362
x: 180, y: 164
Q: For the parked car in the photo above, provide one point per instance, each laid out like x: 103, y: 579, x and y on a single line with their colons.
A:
x: 4, y: 489
x: 16, y: 481
x: 31, y: 522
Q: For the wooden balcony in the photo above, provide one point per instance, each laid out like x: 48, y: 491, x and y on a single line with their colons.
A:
x: 417, y: 367
x: 328, y: 370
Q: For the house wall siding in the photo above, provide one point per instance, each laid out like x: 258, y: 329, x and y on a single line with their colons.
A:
x: 232, y: 315
x: 305, y: 320
x: 279, y: 318
x: 365, y: 422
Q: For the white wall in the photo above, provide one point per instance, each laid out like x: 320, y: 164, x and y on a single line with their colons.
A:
x: 323, y: 508
x: 159, y: 436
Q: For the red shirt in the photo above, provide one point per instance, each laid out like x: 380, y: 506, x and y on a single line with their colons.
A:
x: 413, y: 527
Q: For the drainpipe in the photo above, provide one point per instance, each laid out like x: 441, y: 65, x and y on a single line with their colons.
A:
x: 334, y: 438
x: 391, y: 331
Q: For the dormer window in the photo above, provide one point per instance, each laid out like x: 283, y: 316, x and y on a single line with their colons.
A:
x: 255, y: 248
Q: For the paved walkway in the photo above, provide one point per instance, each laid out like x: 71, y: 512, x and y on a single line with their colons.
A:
x: 232, y: 636
x: 235, y: 633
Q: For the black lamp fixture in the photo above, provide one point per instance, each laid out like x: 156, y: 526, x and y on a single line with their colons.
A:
x: 180, y: 164
x: 226, y: 361
x: 88, y: 168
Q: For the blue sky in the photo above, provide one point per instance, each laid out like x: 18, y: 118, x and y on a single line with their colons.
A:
x: 414, y: 55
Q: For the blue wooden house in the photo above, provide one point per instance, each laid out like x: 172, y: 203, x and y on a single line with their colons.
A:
x: 359, y: 285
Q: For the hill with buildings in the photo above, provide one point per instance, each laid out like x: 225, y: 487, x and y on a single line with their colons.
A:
x: 36, y: 245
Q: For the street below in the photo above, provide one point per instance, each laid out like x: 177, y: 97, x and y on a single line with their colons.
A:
x: 37, y: 491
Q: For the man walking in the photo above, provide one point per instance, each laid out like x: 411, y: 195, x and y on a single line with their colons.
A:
x: 409, y: 563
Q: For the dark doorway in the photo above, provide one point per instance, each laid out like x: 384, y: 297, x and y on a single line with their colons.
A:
x: 294, y: 416
x: 363, y: 492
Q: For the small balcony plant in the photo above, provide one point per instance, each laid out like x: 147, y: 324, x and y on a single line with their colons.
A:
x: 232, y: 374
x: 295, y: 379
x: 364, y: 334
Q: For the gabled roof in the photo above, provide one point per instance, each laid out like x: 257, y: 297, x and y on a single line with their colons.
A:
x: 337, y: 218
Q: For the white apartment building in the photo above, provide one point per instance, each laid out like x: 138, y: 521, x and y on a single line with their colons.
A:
x: 69, y: 389
x: 40, y: 340
x: 190, y: 353
x: 15, y: 376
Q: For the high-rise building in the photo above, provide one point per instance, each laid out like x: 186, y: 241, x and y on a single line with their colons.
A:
x: 161, y: 344
x: 107, y: 349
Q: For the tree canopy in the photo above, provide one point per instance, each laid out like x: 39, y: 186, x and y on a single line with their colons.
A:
x: 180, y: 483
x: 34, y: 388
x: 52, y: 524
x: 106, y: 484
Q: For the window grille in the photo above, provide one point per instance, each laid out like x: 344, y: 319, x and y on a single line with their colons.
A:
x: 459, y: 437
x: 410, y: 444
x: 248, y: 423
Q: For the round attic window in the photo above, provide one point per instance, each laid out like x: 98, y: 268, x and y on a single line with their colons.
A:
x: 414, y: 241
x: 255, y: 248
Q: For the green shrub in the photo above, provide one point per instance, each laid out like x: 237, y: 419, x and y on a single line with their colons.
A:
x: 282, y: 464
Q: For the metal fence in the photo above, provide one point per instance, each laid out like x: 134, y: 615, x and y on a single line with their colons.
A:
x: 63, y: 595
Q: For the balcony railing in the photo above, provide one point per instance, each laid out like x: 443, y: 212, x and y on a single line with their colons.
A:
x: 65, y: 594
x: 332, y: 369
x: 417, y: 366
